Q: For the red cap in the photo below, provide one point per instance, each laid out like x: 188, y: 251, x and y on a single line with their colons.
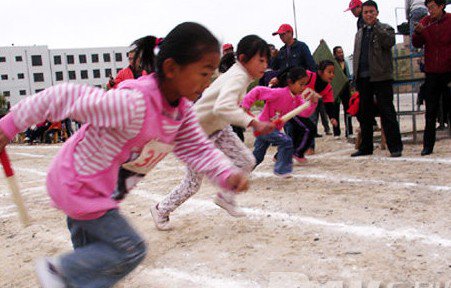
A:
x: 353, y: 4
x: 227, y: 46
x: 284, y: 28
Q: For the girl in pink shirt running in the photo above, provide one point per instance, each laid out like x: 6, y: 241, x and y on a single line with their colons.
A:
x: 127, y: 132
x: 278, y: 102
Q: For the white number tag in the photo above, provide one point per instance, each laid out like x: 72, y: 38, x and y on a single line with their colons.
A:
x: 151, y: 154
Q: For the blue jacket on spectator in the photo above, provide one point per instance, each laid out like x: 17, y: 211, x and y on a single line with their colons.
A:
x: 297, y: 55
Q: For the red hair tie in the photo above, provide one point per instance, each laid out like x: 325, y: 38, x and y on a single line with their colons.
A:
x: 158, y: 41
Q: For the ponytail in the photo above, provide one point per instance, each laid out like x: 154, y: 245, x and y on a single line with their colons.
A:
x: 144, y: 50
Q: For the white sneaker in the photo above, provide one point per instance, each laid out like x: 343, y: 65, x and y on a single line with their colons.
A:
x: 230, y: 207
x: 49, y: 277
x: 161, y: 222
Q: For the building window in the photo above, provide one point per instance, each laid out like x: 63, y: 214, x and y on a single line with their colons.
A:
x: 106, y: 57
x: 38, y: 77
x: 18, y: 58
x: 22, y: 92
x: 118, y: 57
x: 82, y: 58
x: 59, y: 76
x: 84, y: 74
x: 70, y: 59
x: 72, y: 75
x: 118, y: 69
x: 108, y: 72
x: 38, y: 90
x: 96, y: 73
x: 57, y: 59
x: 95, y: 58
x: 36, y: 60
x: 6, y: 93
x: 20, y: 76
x: 4, y: 76
x: 2, y: 59
x: 98, y: 86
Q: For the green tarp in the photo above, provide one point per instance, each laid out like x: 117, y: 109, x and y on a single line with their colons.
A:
x: 323, y: 53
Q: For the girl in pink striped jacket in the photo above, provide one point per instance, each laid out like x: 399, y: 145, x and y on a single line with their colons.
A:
x: 127, y: 132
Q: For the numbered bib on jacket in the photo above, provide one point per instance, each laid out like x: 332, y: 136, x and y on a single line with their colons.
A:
x: 152, y: 153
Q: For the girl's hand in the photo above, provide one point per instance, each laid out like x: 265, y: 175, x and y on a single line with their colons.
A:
x: 262, y: 128
x: 238, y: 181
x: 334, y: 122
x: 273, y: 82
x: 311, y: 95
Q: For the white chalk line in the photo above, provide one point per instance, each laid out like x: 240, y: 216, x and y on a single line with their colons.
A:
x: 364, y: 231
x: 329, y: 154
x: 445, y: 161
x: 199, y: 280
x: 347, y: 228
x: 30, y: 170
x: 5, y: 211
x: 335, y: 179
x: 34, y: 147
x: 29, y: 155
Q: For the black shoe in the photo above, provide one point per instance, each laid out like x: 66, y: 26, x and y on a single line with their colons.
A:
x: 318, y: 136
x: 396, y: 154
x: 360, y: 153
x: 426, y: 151
x: 328, y: 133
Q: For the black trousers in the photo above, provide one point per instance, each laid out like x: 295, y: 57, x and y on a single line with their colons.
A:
x: 382, y: 92
x: 345, y: 96
x: 435, y: 85
x: 302, y: 132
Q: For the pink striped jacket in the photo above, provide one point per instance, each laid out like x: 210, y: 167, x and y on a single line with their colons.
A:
x: 131, y: 128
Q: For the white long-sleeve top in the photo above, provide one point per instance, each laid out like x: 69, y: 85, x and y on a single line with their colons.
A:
x: 219, y: 105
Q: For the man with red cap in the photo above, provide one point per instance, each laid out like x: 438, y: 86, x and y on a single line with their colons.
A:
x: 294, y: 53
x: 355, y: 6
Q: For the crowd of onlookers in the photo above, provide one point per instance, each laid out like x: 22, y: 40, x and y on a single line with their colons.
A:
x: 372, y: 76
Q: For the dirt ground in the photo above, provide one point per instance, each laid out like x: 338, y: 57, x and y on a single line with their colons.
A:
x: 339, y: 219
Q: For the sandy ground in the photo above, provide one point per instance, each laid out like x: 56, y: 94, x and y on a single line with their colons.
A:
x: 339, y: 219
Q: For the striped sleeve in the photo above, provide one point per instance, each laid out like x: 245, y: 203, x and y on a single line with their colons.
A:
x: 117, y: 109
x: 193, y: 147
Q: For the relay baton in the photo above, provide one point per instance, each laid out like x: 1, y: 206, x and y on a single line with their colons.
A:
x: 12, y: 183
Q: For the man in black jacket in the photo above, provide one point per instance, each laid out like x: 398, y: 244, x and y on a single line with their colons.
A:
x: 373, y: 70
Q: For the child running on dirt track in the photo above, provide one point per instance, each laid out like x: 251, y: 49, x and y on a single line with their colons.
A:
x: 216, y: 110
x: 127, y: 131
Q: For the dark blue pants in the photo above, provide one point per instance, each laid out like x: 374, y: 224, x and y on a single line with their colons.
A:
x: 284, y: 163
x: 106, y: 250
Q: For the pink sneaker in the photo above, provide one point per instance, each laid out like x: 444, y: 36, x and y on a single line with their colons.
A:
x: 299, y: 160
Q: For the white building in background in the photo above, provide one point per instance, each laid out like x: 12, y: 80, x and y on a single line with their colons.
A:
x: 29, y: 69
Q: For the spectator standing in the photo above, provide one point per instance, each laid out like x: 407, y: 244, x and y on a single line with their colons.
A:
x: 373, y: 68
x: 355, y: 6
x: 344, y: 95
x: 434, y: 34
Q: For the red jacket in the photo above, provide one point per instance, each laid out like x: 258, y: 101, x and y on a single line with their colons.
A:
x: 436, y: 38
x: 124, y: 74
